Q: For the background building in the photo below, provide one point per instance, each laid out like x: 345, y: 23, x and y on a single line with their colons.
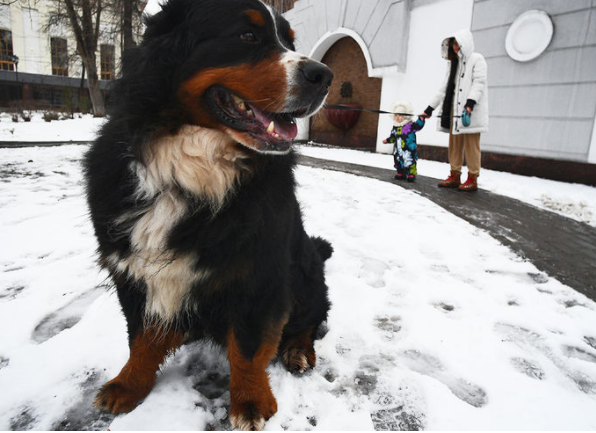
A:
x: 541, y: 58
x: 39, y: 64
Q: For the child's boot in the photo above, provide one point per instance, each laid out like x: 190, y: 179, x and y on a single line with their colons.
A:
x: 412, y: 171
x: 453, y: 181
x: 401, y: 175
x: 471, y: 183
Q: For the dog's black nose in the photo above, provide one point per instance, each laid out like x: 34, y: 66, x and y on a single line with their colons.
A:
x: 317, y: 74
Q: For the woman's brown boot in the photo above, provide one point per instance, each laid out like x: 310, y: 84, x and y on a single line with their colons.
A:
x: 453, y: 181
x: 471, y: 183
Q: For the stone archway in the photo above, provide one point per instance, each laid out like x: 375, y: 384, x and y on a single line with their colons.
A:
x: 348, y: 63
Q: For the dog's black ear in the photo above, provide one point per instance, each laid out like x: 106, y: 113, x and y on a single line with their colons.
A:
x: 172, y: 14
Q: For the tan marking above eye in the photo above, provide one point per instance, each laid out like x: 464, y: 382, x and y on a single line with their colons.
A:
x: 256, y: 17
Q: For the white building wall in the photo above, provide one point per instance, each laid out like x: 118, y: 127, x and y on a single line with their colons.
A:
x: 425, y: 70
x: 545, y: 107
x: 400, y: 40
x: 15, y: 25
x: 32, y: 58
x: 31, y: 38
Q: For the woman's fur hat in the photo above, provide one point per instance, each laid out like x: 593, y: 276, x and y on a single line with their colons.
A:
x: 403, y: 107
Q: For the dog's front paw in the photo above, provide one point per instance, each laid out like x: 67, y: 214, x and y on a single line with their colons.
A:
x: 116, y: 397
x: 251, y: 416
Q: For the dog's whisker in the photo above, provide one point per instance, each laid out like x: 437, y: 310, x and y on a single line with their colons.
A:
x: 254, y: 101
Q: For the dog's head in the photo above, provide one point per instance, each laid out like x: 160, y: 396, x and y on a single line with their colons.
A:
x: 231, y: 65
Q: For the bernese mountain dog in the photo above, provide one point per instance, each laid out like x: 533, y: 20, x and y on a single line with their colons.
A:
x: 191, y: 192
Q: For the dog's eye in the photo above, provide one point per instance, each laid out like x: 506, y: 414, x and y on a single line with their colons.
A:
x: 248, y: 37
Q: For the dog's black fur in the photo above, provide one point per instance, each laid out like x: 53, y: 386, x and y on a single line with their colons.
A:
x: 193, y: 201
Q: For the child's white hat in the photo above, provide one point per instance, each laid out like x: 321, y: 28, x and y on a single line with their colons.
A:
x: 404, y: 107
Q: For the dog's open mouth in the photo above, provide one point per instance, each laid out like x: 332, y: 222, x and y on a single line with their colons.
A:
x: 274, y: 131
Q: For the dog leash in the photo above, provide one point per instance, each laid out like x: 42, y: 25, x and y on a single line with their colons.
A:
x: 368, y: 110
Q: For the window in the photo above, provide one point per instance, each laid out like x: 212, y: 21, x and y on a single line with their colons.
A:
x: 108, y: 62
x: 6, y: 54
x: 59, y: 57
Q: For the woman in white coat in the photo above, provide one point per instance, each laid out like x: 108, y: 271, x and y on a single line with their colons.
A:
x: 464, y: 88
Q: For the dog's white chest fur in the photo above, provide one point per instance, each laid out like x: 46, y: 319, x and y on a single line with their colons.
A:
x: 194, y: 160
x: 168, y: 276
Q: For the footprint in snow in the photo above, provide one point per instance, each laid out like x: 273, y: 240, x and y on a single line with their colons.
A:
x: 579, y: 353
x: 84, y: 415
x: 24, y: 421
x: 443, y: 306
x: 430, y: 366
x: 590, y: 341
x: 11, y: 292
x: 530, y: 339
x: 210, y: 375
x: 402, y: 410
x: 528, y: 367
x: 373, y: 271
x: 394, y: 407
x: 65, y: 317
x: 389, y: 325
x: 538, y: 278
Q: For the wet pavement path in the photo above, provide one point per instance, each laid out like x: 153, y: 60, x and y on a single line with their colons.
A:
x: 559, y: 246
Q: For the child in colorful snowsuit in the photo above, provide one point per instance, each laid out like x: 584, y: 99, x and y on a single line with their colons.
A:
x: 403, y: 137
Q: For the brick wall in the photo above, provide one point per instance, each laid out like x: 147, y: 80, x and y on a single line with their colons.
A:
x: 346, y: 60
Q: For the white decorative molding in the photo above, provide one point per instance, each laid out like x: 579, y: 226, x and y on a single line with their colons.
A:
x: 328, y: 39
x: 529, y: 35
x: 382, y: 26
x: 592, y: 149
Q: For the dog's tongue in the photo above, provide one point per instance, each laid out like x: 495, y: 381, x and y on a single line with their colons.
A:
x: 285, y: 130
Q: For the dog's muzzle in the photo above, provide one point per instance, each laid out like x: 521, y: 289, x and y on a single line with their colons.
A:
x: 312, y: 81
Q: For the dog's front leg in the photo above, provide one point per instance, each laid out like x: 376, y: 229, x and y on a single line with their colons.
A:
x: 251, y: 399
x: 147, y: 351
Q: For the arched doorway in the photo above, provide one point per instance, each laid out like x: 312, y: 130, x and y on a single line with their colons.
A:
x: 346, y: 60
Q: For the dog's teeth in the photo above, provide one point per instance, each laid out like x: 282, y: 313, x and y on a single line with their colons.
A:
x: 241, y: 104
x: 271, y: 127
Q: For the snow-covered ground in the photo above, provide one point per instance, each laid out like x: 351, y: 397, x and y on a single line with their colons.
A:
x: 572, y: 200
x: 81, y: 128
x: 434, y: 325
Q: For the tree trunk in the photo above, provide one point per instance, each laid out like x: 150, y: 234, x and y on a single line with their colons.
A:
x: 127, y: 32
x: 86, y: 35
x: 97, y: 100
